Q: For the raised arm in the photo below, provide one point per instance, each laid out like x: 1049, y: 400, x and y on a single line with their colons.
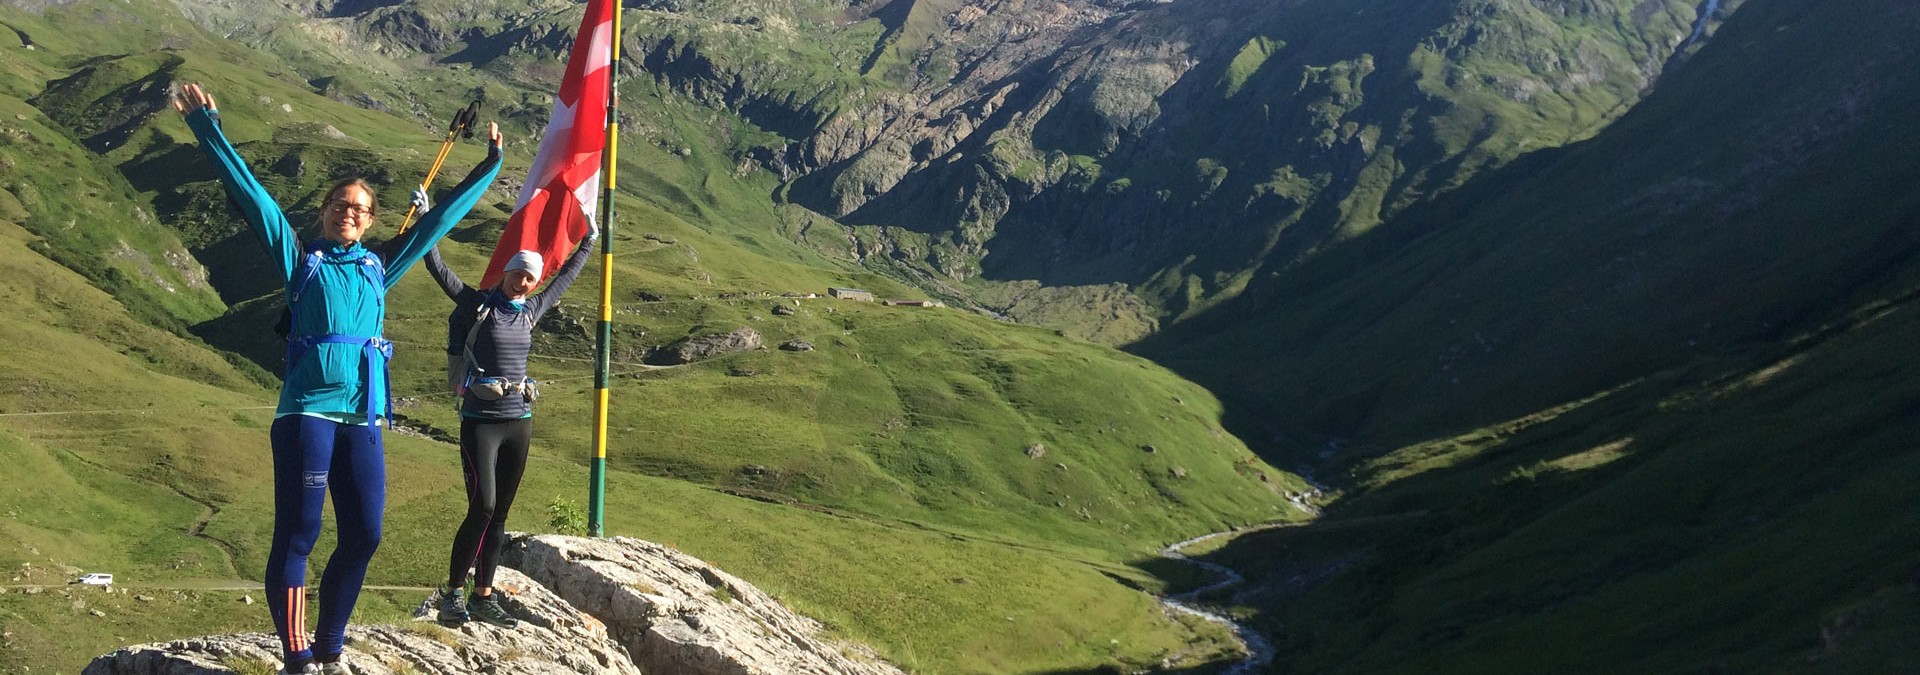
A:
x: 438, y: 222
x: 545, y: 299
x: 263, y: 216
x: 450, y: 282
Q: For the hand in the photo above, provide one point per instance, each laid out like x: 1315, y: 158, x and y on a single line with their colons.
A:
x: 593, y: 232
x: 193, y: 97
x: 493, y: 135
x: 421, y: 204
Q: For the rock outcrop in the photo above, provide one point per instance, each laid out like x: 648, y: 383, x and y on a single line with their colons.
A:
x: 553, y: 639
x: 677, y: 614
x: 706, y: 346
x: 616, y: 606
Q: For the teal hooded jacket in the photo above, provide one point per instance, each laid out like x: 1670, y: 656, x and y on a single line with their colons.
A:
x: 334, y: 379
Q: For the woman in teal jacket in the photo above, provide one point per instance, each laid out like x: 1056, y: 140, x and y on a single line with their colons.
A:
x: 326, y: 430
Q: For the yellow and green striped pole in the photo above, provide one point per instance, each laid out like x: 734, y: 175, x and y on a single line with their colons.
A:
x: 597, y: 498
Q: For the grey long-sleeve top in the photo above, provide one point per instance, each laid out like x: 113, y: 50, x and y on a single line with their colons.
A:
x: 500, y: 349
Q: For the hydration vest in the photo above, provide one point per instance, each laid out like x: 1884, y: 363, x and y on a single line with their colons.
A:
x: 465, y: 375
x: 299, y: 342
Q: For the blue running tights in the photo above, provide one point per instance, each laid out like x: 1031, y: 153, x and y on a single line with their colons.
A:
x: 310, y: 455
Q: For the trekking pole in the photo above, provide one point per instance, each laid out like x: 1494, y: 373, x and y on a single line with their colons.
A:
x: 461, y: 127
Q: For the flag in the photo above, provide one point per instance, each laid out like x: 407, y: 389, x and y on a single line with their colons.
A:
x: 560, y: 197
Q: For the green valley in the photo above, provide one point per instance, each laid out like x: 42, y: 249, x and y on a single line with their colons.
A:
x: 1639, y: 405
x: 882, y: 482
x: 1566, y: 336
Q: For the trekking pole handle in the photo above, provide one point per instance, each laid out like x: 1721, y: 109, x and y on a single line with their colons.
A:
x: 460, y: 127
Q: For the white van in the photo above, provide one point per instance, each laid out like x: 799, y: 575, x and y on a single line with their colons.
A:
x: 97, y: 579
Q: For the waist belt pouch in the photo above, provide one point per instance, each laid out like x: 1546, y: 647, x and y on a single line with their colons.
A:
x: 489, y: 389
x: 530, y: 389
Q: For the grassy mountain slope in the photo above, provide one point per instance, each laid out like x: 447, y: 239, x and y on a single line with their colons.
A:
x: 1146, y: 158
x: 880, y: 482
x: 1636, y: 406
x: 79, y: 336
x: 1711, y: 220
x: 1739, y: 517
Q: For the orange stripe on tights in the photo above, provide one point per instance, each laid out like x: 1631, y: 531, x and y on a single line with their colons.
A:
x: 296, y: 618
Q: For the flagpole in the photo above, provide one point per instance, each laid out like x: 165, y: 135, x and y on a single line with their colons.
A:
x: 597, y: 497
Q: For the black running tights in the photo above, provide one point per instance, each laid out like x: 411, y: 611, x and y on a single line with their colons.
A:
x: 493, y: 455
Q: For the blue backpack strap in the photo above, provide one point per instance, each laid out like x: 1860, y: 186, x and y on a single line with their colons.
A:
x: 303, y: 275
x: 376, y: 274
x: 308, y: 269
x: 381, y: 389
x: 375, y: 271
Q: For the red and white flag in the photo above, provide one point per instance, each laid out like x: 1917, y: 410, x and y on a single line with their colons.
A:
x: 562, y: 190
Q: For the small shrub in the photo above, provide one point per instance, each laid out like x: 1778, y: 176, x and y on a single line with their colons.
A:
x: 565, y: 516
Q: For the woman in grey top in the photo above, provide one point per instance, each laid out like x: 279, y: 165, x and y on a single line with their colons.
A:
x: 491, y: 331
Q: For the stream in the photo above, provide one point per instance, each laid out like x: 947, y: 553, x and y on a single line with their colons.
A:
x: 1259, y: 650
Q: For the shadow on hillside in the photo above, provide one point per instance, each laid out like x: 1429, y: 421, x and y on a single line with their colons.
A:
x: 1226, y: 347
x: 247, y: 329
x: 1574, y: 512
